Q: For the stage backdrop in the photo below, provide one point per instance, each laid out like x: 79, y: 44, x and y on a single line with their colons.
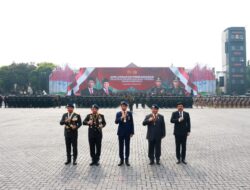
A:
x: 131, y: 79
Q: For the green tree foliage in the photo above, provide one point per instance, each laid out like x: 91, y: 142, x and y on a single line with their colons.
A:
x: 248, y: 77
x: 15, y: 78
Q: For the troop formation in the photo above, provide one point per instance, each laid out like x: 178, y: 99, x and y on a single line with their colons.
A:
x: 124, y: 119
x: 222, y: 101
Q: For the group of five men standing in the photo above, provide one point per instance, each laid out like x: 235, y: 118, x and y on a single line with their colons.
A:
x: 155, y: 132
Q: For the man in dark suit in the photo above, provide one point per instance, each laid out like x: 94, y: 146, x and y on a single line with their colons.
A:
x: 105, y: 91
x: 90, y: 90
x: 96, y: 122
x: 72, y: 121
x: 182, y: 128
x: 156, y: 132
x: 125, y: 122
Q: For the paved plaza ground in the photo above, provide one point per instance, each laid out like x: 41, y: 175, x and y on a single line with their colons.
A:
x: 32, y: 153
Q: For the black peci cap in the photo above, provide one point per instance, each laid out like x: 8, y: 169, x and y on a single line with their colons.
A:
x: 124, y: 103
x: 179, y: 103
x: 155, y: 106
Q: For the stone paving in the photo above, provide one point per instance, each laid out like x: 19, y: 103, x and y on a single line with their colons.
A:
x: 32, y: 153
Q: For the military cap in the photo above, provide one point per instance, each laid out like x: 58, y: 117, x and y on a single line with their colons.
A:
x: 95, y: 106
x: 70, y: 105
x: 158, y: 79
x: 176, y: 79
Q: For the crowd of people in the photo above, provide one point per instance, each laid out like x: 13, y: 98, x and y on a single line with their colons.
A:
x: 222, y: 101
x: 49, y: 101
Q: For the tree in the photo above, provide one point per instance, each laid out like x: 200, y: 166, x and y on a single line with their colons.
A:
x: 16, y: 78
x: 248, y: 77
x: 40, y: 76
x: 15, y: 75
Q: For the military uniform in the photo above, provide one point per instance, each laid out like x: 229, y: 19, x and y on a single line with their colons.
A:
x: 71, y: 134
x: 95, y: 134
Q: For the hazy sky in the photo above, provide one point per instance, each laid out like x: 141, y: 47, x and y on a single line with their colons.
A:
x: 115, y: 33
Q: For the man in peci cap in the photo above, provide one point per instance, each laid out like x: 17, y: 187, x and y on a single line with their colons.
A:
x: 125, y: 122
x: 182, y: 128
x: 96, y: 122
x: 71, y: 121
x: 155, y: 133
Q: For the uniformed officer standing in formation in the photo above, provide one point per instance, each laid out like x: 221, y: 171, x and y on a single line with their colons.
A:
x: 71, y: 121
x: 158, y: 89
x: 124, y: 119
x: 182, y: 128
x: 155, y: 133
x: 96, y: 122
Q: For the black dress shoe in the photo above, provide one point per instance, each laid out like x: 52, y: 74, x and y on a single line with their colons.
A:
x: 74, y: 163
x: 68, y: 162
x: 92, y: 163
x: 184, y: 162
x: 178, y: 162
x: 158, y: 162
x: 121, y: 163
x: 97, y: 163
x: 127, y: 163
x: 151, y: 162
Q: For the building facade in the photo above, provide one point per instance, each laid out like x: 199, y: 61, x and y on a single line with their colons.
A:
x: 234, y: 60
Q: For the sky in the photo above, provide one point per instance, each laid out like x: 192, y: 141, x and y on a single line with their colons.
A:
x: 115, y: 33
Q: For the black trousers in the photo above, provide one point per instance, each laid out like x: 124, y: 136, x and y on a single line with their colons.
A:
x: 95, y: 145
x: 71, y: 141
x: 180, y: 143
x: 124, y: 140
x: 154, y: 149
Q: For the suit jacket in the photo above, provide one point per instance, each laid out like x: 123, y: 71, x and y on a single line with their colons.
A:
x: 156, y: 130
x: 125, y: 128
x: 183, y: 127
x: 95, y: 130
x: 103, y: 93
x: 85, y: 92
x: 75, y: 120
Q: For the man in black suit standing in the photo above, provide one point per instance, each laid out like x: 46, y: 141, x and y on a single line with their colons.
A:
x: 156, y: 132
x: 90, y: 90
x: 105, y: 91
x: 71, y: 121
x: 96, y: 122
x: 182, y: 128
x: 125, y: 122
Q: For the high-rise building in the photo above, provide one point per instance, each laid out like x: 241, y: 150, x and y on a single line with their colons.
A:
x: 234, y: 59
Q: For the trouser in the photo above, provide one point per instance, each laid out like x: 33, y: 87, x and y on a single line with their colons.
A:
x: 95, y: 144
x: 124, y: 140
x: 154, y: 149
x: 71, y: 141
x: 180, y: 143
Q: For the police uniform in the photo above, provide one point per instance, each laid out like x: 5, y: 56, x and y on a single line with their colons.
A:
x: 95, y: 134
x: 71, y: 134
x: 155, y: 132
